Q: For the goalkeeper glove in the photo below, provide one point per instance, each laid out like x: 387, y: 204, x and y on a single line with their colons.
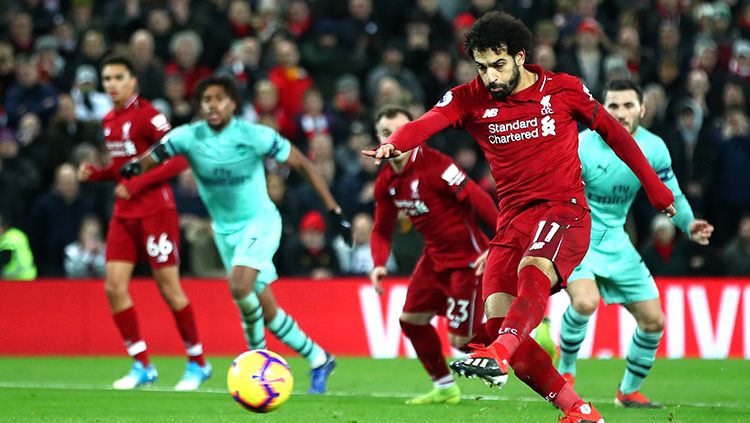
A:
x: 342, y: 225
x: 130, y: 169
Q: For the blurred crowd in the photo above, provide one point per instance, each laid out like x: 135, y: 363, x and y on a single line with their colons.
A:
x: 316, y: 70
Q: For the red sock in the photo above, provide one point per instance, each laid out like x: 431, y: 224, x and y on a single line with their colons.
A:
x: 427, y: 345
x: 127, y: 323
x: 189, y: 333
x: 534, y: 367
x: 527, y: 310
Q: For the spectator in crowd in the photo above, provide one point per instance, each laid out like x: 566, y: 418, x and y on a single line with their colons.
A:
x: 313, y: 120
x: 49, y: 63
x: 33, y: 147
x: 327, y: 58
x: 84, y: 258
x: 586, y: 57
x: 19, y: 180
x: 347, y: 106
x: 545, y: 56
x: 357, y: 259
x: 148, y: 69
x: 29, y: 94
x: 731, y: 179
x: 291, y: 79
x: 439, y: 76
x: 737, y: 254
x: 160, y: 26
x: 67, y: 131
x: 91, y: 104
x: 309, y: 254
x: 655, y: 105
x: 180, y: 107
x: 267, y: 110
x: 299, y: 19
x: 16, y: 258
x: 199, y: 252
x: 21, y: 32
x: 186, y: 48
x: 243, y: 62
x: 392, y: 67
x: 665, y: 254
x: 57, y: 215
x: 7, y: 69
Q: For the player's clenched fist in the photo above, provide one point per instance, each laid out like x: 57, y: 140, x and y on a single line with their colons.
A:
x: 376, y: 277
x: 85, y: 169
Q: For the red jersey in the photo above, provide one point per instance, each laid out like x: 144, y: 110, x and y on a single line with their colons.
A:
x: 530, y: 139
x: 129, y: 132
x: 441, y: 201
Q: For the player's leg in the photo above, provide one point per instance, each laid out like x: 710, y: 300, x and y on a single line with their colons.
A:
x: 426, y: 297
x: 641, y: 353
x: 242, y: 281
x: 122, y: 253
x: 287, y: 330
x: 559, y: 238
x: 584, y: 299
x: 243, y: 274
x: 161, y: 243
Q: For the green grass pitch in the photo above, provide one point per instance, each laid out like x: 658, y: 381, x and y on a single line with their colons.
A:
x: 77, y: 389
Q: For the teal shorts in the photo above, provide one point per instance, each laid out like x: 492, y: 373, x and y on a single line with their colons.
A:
x: 254, y: 247
x: 613, y: 262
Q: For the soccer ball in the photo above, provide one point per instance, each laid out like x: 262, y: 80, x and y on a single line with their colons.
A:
x: 260, y: 380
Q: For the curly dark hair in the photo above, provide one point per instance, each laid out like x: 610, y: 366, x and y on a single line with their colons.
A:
x: 227, y: 82
x: 497, y: 31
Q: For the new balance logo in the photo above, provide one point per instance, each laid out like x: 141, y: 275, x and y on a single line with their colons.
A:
x: 537, y: 246
x: 490, y: 113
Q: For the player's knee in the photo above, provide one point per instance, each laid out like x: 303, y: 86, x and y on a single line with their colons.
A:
x: 586, y: 305
x: 653, y: 324
x: 238, y: 291
x: 541, y: 263
x: 115, y: 290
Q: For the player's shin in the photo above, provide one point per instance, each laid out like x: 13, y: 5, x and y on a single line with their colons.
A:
x: 527, y: 310
x: 533, y: 366
x: 640, y: 358
x: 572, y: 334
x: 286, y: 329
x: 185, y: 321
x: 426, y: 344
x: 251, y: 314
x: 127, y: 323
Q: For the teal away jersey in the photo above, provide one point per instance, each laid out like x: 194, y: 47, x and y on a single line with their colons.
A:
x: 229, y: 171
x: 611, y: 186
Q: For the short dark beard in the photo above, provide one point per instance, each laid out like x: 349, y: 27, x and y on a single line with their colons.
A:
x: 505, y: 89
x: 220, y: 126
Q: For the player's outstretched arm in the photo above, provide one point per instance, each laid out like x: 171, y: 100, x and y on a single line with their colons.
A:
x: 301, y: 164
x: 410, y: 136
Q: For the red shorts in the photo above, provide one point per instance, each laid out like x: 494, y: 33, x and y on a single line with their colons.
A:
x: 453, y: 293
x: 554, y: 230
x: 155, y: 237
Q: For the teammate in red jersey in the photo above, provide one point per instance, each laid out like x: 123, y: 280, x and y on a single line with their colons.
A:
x: 525, y: 119
x: 144, y: 223
x: 442, y: 202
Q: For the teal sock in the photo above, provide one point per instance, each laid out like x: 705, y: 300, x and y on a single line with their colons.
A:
x: 572, y: 334
x: 288, y: 332
x: 641, y: 356
x: 252, y: 321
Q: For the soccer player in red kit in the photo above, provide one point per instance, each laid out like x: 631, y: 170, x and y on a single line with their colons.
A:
x: 144, y: 223
x: 443, y: 203
x: 525, y: 120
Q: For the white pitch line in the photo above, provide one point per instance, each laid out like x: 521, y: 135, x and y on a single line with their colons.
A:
x: 94, y: 387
